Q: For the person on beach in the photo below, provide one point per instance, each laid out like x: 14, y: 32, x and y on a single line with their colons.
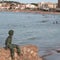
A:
x: 8, y: 44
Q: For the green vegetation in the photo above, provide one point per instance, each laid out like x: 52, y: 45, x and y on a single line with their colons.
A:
x: 9, y: 2
x: 34, y: 4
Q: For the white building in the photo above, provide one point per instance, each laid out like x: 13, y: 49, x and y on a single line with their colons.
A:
x: 31, y: 6
x: 47, y: 5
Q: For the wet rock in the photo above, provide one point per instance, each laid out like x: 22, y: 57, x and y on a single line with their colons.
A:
x: 53, y: 57
x: 56, y: 22
x: 44, y: 21
x: 28, y: 52
x: 58, y: 50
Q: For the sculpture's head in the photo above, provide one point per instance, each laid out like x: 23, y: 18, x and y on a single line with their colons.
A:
x: 11, y: 32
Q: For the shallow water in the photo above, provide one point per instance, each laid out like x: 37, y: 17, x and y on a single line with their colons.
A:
x: 37, y: 29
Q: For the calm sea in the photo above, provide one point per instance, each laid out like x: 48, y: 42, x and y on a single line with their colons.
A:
x: 42, y: 30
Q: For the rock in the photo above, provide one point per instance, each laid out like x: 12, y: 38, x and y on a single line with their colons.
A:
x: 58, y: 50
x: 55, y: 56
x: 28, y: 52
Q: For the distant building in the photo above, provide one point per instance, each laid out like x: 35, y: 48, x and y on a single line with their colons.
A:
x: 22, y: 6
x: 58, y: 6
x: 58, y: 3
x: 47, y: 5
x: 51, y: 5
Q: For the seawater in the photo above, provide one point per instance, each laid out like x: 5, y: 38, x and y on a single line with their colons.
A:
x: 36, y: 29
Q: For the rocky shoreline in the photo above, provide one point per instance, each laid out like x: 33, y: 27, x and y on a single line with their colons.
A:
x: 28, y: 52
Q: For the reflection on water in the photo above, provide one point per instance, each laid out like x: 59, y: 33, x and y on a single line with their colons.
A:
x: 37, y: 29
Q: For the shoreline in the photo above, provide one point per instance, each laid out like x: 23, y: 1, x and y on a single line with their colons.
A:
x: 32, y: 11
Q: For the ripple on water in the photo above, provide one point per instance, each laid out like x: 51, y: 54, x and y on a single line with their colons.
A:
x: 37, y: 29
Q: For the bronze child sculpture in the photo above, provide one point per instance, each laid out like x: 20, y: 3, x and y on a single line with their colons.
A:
x: 9, y: 45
